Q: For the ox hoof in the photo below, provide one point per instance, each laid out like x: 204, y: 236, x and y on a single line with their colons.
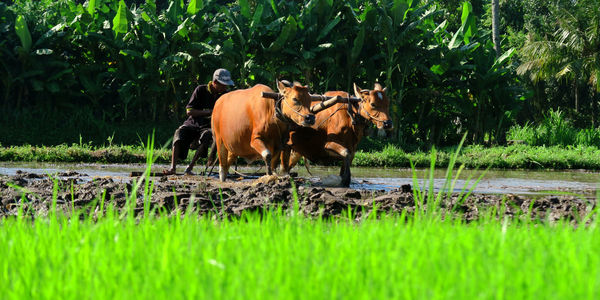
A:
x: 331, y: 180
x: 265, y: 179
x: 169, y: 172
x: 188, y: 171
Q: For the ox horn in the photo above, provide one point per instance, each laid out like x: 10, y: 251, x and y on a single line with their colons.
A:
x: 324, y: 104
x: 357, y: 91
x: 281, y: 85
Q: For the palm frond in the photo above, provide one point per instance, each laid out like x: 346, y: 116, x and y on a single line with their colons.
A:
x: 567, y: 71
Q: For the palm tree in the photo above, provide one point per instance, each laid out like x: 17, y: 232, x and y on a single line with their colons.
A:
x: 495, y: 26
x: 571, y: 52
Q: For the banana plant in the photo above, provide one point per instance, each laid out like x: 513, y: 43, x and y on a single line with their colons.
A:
x: 249, y: 39
x: 314, y: 51
x: 40, y: 68
x: 476, y: 90
x: 406, y: 26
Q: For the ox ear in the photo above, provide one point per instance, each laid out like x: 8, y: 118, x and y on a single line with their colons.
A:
x: 280, y: 86
x: 384, y: 89
x: 357, y: 91
x: 377, y: 87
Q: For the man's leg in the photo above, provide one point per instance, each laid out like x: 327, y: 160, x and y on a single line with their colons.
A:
x: 181, y: 139
x: 201, y: 152
x: 204, y: 140
x: 174, y: 156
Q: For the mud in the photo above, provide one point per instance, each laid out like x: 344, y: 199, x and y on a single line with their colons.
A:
x: 33, y: 193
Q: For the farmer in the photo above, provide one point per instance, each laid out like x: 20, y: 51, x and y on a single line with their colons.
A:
x: 195, y: 132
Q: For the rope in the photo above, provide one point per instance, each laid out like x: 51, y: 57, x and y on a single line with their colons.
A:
x: 296, y: 111
x: 331, y: 115
x: 247, y: 175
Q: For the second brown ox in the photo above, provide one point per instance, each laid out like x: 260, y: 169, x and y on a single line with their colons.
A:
x: 246, y: 124
x: 338, y: 130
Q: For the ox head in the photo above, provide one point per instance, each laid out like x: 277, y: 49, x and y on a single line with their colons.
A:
x: 375, y: 106
x: 296, y: 103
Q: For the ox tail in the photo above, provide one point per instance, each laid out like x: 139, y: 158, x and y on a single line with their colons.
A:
x: 307, y: 165
x: 212, y: 158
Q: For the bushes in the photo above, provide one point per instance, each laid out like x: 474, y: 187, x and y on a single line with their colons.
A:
x: 554, y: 130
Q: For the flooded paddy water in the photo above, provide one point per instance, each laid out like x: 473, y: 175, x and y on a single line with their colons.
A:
x: 493, y: 181
x: 512, y: 192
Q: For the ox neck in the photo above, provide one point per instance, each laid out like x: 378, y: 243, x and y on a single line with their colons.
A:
x: 354, y: 113
x: 279, y: 114
x: 282, y: 122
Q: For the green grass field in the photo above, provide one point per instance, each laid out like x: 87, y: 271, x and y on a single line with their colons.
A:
x: 282, y: 256
x: 474, y: 156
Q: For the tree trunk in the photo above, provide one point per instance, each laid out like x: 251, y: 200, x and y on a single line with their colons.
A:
x: 594, y: 108
x: 576, y: 95
x: 496, y: 26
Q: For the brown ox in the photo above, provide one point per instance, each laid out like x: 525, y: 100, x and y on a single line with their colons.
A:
x: 338, y: 130
x: 247, y: 125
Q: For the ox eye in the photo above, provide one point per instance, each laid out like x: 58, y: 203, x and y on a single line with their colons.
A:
x: 295, y: 99
x: 373, y: 105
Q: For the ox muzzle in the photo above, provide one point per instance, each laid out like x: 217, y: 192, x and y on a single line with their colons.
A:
x: 309, y: 120
x: 388, y: 125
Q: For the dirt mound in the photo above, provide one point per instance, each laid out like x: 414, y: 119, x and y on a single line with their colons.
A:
x: 34, y: 193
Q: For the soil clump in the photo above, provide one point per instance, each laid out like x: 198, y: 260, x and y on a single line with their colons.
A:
x: 34, y: 194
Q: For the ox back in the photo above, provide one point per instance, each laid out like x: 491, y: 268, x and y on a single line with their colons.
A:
x: 244, y: 126
x: 245, y: 123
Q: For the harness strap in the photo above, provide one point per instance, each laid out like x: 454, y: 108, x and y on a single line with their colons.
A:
x: 279, y: 113
x: 371, y: 117
x: 283, y: 118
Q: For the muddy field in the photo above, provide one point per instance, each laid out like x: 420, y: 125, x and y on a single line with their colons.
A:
x: 208, y: 196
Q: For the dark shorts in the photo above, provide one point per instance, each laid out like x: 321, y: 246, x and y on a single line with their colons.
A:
x: 191, y: 138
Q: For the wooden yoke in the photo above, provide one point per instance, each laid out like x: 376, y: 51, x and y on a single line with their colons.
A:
x: 326, y: 101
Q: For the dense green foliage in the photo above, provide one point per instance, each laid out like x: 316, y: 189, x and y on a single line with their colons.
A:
x: 115, y: 62
x: 561, y: 57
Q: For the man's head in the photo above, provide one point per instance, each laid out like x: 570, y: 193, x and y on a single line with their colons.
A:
x: 221, y: 80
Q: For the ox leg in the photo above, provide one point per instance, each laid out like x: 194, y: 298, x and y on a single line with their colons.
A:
x: 223, y: 161
x: 285, y: 160
x: 294, y: 159
x: 341, y: 151
x: 275, y: 160
x: 346, y: 175
x: 267, y: 158
x: 260, y: 147
x: 232, y: 159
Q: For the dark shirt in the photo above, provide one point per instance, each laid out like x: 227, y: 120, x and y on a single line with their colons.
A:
x: 202, y: 98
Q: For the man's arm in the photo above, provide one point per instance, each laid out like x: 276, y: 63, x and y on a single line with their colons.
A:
x: 198, y: 112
